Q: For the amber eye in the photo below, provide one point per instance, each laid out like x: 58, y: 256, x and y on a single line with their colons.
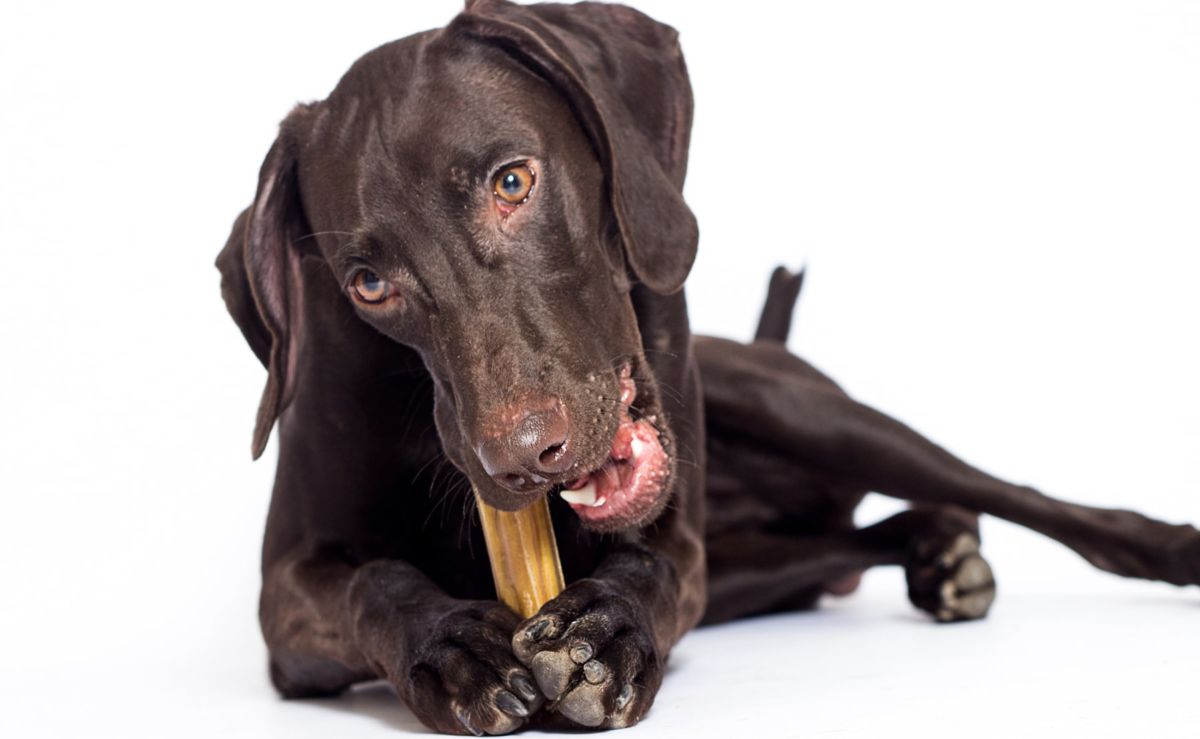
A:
x: 369, y: 287
x: 513, y: 184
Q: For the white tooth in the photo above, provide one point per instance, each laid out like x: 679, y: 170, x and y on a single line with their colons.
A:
x: 585, y: 495
x: 599, y: 502
x: 636, y: 446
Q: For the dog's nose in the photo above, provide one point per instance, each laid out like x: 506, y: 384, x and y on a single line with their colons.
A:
x: 536, y: 447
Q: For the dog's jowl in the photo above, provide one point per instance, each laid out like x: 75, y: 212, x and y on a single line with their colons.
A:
x: 463, y: 271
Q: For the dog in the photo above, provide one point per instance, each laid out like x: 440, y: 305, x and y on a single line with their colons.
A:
x: 463, y: 271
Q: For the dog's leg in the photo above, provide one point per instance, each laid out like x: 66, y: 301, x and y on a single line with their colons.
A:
x: 754, y: 572
x: 329, y: 624
x: 308, y: 637
x: 767, y: 394
x: 599, y: 648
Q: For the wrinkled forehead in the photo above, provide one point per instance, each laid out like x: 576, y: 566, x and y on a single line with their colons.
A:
x: 434, y: 110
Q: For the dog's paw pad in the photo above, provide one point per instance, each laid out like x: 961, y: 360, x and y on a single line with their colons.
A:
x: 969, y: 593
x: 955, y: 584
x: 553, y: 672
x: 588, y: 662
x: 584, y: 705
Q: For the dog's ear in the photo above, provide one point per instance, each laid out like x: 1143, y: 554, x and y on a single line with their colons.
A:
x: 261, y: 280
x: 624, y: 75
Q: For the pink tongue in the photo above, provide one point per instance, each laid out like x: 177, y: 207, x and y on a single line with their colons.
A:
x: 608, y: 477
x: 630, y: 482
x: 622, y: 445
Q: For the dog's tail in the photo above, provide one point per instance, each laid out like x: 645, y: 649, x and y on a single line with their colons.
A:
x: 776, y: 319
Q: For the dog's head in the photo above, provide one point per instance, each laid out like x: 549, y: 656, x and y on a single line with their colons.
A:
x: 488, y: 194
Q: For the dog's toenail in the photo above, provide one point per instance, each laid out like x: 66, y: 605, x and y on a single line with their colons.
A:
x: 524, y: 687
x: 465, y: 720
x: 624, y: 697
x: 540, y: 629
x: 509, y: 703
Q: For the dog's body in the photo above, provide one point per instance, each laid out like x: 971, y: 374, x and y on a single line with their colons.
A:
x: 482, y: 230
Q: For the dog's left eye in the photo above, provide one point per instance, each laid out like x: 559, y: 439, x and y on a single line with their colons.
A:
x: 513, y: 184
x: 369, y: 287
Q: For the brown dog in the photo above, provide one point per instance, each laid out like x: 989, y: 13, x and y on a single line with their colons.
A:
x: 481, y: 230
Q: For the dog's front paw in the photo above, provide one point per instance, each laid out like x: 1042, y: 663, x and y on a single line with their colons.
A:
x: 464, y: 678
x: 948, y: 578
x: 592, y: 654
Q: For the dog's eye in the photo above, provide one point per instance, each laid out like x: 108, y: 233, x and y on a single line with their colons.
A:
x: 369, y: 287
x: 513, y: 184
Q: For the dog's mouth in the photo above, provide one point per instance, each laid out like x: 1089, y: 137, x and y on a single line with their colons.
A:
x: 628, y: 488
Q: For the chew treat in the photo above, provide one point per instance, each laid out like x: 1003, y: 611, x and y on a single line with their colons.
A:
x: 524, y: 555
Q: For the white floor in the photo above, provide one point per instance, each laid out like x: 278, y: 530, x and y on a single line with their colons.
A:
x: 1065, y: 653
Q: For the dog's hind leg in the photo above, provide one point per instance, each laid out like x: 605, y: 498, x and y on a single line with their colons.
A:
x: 755, y: 572
x: 771, y: 397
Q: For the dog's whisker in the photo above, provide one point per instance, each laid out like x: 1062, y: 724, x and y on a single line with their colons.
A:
x: 439, y: 458
x: 663, y: 387
x: 470, y: 515
x: 325, y: 233
x: 439, y: 500
x: 671, y: 354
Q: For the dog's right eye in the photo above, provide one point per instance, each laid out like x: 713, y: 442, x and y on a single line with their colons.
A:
x: 513, y: 184
x: 368, y: 287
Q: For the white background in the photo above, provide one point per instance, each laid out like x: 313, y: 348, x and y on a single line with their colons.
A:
x: 998, y: 204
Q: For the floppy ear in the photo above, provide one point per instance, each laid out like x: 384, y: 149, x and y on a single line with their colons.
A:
x: 623, y: 73
x: 261, y: 283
